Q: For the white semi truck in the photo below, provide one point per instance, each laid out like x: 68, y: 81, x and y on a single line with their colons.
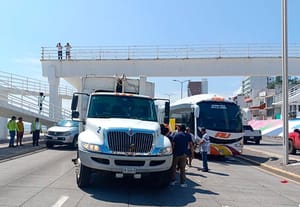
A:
x: 120, y: 133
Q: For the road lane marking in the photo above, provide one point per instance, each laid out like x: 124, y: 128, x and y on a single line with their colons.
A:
x: 61, y: 201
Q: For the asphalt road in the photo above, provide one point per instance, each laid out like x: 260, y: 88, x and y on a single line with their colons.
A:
x: 47, y: 178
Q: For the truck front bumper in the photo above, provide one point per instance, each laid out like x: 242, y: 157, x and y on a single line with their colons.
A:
x: 125, y: 164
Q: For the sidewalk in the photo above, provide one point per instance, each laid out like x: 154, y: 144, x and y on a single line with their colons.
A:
x: 7, y: 153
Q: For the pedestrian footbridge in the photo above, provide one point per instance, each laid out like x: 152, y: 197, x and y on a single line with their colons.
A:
x: 19, y: 97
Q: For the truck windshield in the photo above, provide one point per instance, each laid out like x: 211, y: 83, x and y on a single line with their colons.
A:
x: 116, y: 106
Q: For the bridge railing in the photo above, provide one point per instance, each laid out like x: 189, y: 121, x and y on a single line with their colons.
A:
x: 29, y: 104
x: 292, y: 92
x: 167, y: 52
x: 30, y: 85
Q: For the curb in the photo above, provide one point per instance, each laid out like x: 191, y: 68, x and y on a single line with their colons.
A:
x: 275, y: 170
x: 13, y: 157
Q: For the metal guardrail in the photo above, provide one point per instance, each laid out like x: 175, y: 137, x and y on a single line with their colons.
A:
x: 165, y: 52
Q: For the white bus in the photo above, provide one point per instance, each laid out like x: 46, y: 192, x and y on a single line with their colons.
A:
x: 222, y: 119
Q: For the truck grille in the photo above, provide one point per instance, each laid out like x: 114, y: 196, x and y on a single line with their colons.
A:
x: 135, y: 143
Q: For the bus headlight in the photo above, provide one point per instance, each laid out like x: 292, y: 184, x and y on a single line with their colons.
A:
x: 165, y: 151
x: 90, y: 147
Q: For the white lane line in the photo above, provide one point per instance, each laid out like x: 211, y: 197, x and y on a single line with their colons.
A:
x: 61, y: 201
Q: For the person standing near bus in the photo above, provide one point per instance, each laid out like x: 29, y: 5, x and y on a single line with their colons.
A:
x: 205, y: 146
x: 20, y: 131
x: 180, y: 143
x: 12, y: 128
x: 189, y: 152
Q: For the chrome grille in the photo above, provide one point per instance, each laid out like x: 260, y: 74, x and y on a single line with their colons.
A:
x: 123, y: 142
x: 56, y: 133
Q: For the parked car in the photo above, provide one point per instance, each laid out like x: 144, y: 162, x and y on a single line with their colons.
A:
x: 64, y: 132
x: 250, y: 134
x: 294, y: 141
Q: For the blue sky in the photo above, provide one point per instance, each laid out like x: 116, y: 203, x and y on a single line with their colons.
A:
x: 27, y: 25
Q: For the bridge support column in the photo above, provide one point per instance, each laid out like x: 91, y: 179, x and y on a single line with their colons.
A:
x: 54, y: 99
x: 3, y: 129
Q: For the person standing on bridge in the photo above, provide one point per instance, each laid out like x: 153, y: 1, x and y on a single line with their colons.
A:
x: 41, y: 98
x: 59, y: 51
x: 12, y: 127
x: 36, y: 129
x: 20, y: 131
x: 68, y: 51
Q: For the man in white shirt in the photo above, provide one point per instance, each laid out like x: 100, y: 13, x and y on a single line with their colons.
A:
x: 205, y: 147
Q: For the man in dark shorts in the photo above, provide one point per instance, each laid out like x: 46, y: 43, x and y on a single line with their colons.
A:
x: 180, y: 146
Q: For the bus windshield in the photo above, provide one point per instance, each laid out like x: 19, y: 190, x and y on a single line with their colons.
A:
x: 129, y: 107
x: 220, y: 116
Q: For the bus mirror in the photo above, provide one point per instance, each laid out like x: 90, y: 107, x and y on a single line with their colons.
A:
x: 196, y: 111
x: 74, y: 102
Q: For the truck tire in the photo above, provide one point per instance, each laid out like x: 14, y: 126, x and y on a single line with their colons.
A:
x: 49, y: 145
x: 292, y: 149
x: 162, y: 179
x: 257, y: 141
x: 83, y: 176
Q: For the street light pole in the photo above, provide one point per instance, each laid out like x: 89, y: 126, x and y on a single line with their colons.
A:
x: 285, y: 99
x: 181, y: 83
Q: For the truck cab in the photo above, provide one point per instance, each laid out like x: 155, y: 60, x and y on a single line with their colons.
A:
x: 120, y: 134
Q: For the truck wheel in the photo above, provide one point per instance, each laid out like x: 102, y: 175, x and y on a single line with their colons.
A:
x: 49, y: 145
x: 257, y: 142
x: 245, y: 141
x: 83, y: 176
x: 75, y: 142
x: 162, y: 179
x: 292, y: 149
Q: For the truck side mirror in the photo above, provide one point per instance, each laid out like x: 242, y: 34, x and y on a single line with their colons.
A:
x: 167, y: 112
x: 74, y: 102
x: 75, y: 114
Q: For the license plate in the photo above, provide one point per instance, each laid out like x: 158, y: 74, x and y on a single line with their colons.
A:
x: 129, y: 170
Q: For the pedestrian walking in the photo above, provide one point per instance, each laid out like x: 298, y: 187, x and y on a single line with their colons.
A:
x: 36, y: 129
x: 12, y: 128
x: 20, y: 131
x: 59, y: 50
x: 205, y: 147
x: 68, y: 51
x: 180, y: 143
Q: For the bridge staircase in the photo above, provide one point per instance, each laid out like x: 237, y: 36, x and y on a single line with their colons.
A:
x: 19, y: 97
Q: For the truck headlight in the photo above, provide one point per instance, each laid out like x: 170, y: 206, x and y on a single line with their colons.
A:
x: 90, y: 147
x: 165, y: 151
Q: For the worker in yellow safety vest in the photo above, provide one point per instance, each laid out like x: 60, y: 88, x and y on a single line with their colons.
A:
x: 36, y: 129
x: 12, y: 127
